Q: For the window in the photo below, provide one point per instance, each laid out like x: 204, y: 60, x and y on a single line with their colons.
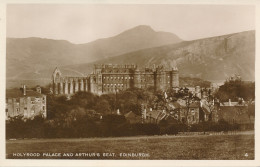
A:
x: 43, y: 107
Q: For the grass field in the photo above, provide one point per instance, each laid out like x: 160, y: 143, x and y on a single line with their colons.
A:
x: 217, y: 147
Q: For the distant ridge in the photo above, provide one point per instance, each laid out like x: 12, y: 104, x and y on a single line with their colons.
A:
x: 25, y: 55
x: 213, y: 58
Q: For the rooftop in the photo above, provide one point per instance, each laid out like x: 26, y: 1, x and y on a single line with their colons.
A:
x: 16, y: 93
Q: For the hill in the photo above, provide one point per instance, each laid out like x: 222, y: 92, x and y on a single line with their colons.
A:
x: 212, y: 59
x: 31, y: 55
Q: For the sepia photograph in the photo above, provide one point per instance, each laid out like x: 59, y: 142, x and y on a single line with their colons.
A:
x: 130, y: 81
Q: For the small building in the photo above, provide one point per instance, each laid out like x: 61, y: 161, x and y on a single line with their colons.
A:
x: 25, y: 103
x: 131, y: 117
x: 155, y: 116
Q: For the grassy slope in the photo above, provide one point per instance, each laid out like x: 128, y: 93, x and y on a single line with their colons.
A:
x: 232, y: 147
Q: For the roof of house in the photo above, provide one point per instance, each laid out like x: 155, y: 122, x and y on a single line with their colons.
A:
x: 181, y: 102
x: 174, y: 105
x: 131, y: 114
x: 205, y: 106
x: 16, y: 93
x: 232, y: 104
x: 156, y: 114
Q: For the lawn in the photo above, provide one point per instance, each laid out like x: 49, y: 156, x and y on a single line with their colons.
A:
x: 201, y: 147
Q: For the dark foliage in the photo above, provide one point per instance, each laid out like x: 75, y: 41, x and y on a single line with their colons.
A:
x: 236, y: 89
x: 219, y: 126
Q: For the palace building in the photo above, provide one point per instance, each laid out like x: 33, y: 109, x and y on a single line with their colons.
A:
x: 112, y: 78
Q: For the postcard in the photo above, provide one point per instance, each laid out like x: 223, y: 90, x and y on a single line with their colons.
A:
x: 92, y: 84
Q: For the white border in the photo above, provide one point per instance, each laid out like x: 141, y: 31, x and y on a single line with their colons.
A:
x: 112, y: 163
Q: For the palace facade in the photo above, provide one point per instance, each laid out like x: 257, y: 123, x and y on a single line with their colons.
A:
x: 112, y: 78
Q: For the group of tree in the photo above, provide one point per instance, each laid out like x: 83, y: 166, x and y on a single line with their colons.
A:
x: 235, y: 89
x: 88, y: 115
x: 109, y: 126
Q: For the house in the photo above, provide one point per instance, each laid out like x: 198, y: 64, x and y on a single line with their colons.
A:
x: 196, y: 111
x: 131, y: 117
x: 155, y: 116
x: 188, y: 113
x: 236, y: 112
x: 25, y: 103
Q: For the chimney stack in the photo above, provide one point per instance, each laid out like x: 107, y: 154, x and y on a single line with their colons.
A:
x: 24, y: 90
x: 144, y: 113
x: 117, y: 112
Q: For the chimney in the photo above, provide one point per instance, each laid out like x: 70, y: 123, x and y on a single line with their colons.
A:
x: 229, y: 102
x: 24, y: 90
x: 144, y: 113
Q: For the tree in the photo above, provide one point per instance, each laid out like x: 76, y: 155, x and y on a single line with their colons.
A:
x: 234, y: 89
x: 102, y: 106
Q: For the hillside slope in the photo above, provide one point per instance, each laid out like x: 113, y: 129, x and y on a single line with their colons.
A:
x: 31, y: 55
x: 213, y: 58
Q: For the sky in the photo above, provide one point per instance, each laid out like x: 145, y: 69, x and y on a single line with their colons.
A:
x: 82, y: 23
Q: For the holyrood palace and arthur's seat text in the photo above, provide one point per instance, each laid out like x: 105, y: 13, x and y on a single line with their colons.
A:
x: 112, y: 78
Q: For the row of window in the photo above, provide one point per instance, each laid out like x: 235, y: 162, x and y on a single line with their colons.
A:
x: 25, y: 108
x: 113, y: 85
x: 117, y: 78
